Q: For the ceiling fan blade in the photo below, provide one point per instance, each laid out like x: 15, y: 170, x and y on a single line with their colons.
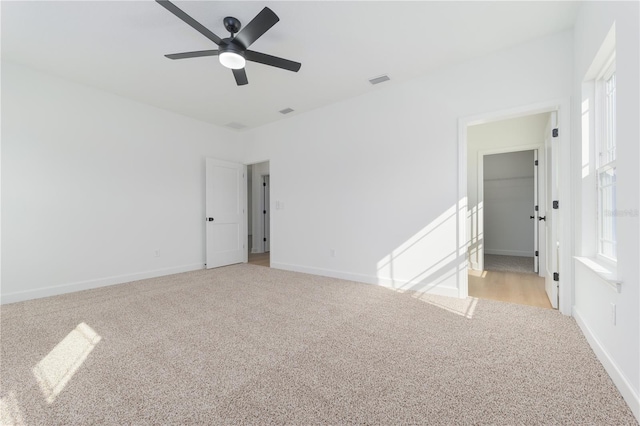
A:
x: 189, y: 20
x: 274, y: 61
x: 258, y: 26
x: 241, y: 76
x: 197, y: 54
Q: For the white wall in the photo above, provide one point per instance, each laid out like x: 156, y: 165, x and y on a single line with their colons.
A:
x: 617, y: 346
x: 509, y: 203
x: 514, y: 134
x: 509, y: 165
x: 93, y: 184
x: 375, y: 177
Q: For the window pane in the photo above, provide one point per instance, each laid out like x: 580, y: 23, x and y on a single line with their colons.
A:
x: 609, y: 142
x: 607, y: 212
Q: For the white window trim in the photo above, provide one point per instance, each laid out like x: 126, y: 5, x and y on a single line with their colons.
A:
x: 607, y: 71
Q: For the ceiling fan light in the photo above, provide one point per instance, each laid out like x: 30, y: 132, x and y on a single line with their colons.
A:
x: 232, y: 60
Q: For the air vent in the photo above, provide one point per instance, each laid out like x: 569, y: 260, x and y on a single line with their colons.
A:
x: 286, y: 111
x: 237, y: 126
x: 378, y: 80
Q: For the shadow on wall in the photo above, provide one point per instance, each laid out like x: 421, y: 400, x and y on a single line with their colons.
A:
x: 433, y: 259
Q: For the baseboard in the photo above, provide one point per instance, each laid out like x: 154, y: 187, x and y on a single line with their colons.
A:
x: 626, y: 390
x: 519, y: 253
x: 362, y: 278
x: 20, y: 296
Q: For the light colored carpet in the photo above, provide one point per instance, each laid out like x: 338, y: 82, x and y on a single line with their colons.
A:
x: 493, y: 262
x: 251, y: 345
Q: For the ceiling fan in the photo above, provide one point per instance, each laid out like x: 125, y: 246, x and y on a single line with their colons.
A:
x: 233, y: 51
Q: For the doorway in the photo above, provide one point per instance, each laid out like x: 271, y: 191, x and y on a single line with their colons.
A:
x: 522, y: 129
x: 510, y: 193
x: 508, y: 190
x: 259, y: 217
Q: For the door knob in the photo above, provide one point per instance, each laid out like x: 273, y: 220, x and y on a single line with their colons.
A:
x: 210, y: 219
x: 543, y: 218
x: 531, y: 217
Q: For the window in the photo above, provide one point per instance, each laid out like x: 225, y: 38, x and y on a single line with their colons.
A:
x: 606, y: 161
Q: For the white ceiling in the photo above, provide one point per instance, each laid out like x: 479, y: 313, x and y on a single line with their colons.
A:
x: 118, y: 46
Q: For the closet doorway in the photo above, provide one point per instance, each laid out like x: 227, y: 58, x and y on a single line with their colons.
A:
x: 259, y: 217
x: 510, y: 200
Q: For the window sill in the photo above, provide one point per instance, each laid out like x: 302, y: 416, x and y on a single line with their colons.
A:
x: 607, y: 273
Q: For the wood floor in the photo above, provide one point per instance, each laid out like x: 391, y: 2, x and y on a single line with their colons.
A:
x: 261, y: 259
x: 524, y: 289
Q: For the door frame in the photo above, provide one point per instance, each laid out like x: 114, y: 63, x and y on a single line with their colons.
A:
x: 565, y: 213
x: 259, y: 177
x: 505, y: 150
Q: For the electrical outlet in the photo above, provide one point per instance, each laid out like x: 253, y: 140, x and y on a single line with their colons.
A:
x: 156, y: 252
x: 613, y: 313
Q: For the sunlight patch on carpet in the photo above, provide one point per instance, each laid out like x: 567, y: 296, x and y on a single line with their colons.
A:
x: 10, y: 414
x: 463, y: 307
x: 55, y: 370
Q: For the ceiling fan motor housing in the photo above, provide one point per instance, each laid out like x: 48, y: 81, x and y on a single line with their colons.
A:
x: 228, y: 45
x: 231, y: 55
x: 232, y: 24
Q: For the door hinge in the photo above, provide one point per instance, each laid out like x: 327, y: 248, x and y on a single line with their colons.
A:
x: 556, y: 276
x: 536, y: 208
x: 535, y: 163
x: 556, y: 204
x: 264, y: 239
x: 264, y: 212
x: 536, y: 252
x: 554, y: 133
x: 264, y: 183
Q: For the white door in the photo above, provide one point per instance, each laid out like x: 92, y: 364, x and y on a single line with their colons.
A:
x: 550, y: 214
x: 541, y: 211
x: 225, y: 213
